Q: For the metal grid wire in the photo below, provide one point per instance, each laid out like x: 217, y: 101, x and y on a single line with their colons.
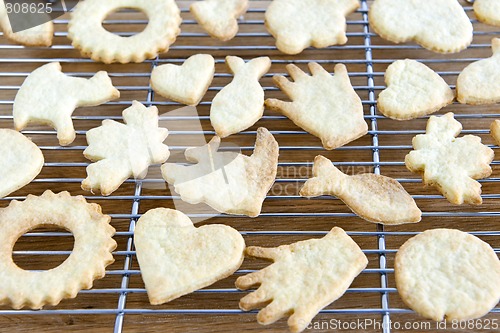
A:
x: 365, y: 53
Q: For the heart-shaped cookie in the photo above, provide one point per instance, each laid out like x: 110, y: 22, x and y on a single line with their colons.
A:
x: 176, y: 258
x: 413, y: 90
x: 440, y: 25
x: 187, y: 83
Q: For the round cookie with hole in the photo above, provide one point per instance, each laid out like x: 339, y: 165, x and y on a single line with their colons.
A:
x: 87, y: 33
x: 87, y: 262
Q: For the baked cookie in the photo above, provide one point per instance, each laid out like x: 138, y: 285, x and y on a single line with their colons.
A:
x: 495, y: 131
x: 298, y: 24
x: 21, y: 161
x: 488, y: 11
x: 240, y: 104
x: 375, y: 198
x: 87, y: 33
x: 324, y: 105
x: 219, y: 17
x: 451, y: 164
x: 304, y: 278
x: 40, y: 35
x: 440, y: 26
x: 187, y: 83
x: 413, y: 90
x: 87, y: 261
x: 176, y: 258
x: 123, y: 150
x: 48, y: 96
x: 448, y: 274
x: 479, y: 83
x: 227, y: 181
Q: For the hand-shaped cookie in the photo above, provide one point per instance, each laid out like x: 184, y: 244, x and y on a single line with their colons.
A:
x: 305, y: 277
x: 227, y: 181
x: 240, y: 104
x: 449, y: 163
x: 48, y: 96
x: 124, y: 150
x: 324, y: 105
x: 219, y: 17
x: 298, y: 24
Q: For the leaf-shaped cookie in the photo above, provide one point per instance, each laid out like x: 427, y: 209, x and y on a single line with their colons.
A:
x: 241, y: 103
x: 219, y: 17
x: 48, y: 96
x: 124, y: 150
x: 488, y: 11
x: 439, y: 25
x: 298, y: 24
x: 305, y: 277
x: 186, y: 83
x: 176, y: 258
x: 324, y: 105
x: 229, y: 182
x: 375, y: 198
x: 413, y: 90
x: 450, y: 163
x: 40, y: 35
x: 479, y: 83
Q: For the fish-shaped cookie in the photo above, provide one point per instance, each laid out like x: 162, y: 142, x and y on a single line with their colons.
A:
x: 241, y: 103
x: 375, y: 198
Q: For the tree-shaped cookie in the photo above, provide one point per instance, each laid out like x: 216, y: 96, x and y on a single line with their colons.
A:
x: 48, y: 96
x: 219, y: 17
x: 227, y: 181
x: 479, y: 83
x: 413, y: 90
x: 451, y: 164
x: 241, y: 103
x: 124, y: 150
x: 324, y: 105
x: 440, y: 25
x: 298, y: 24
x: 305, y: 277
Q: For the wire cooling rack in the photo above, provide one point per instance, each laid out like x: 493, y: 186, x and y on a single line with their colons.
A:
x: 118, y: 302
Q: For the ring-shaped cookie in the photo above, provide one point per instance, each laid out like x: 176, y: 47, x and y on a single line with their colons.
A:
x: 87, y: 33
x: 88, y: 260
